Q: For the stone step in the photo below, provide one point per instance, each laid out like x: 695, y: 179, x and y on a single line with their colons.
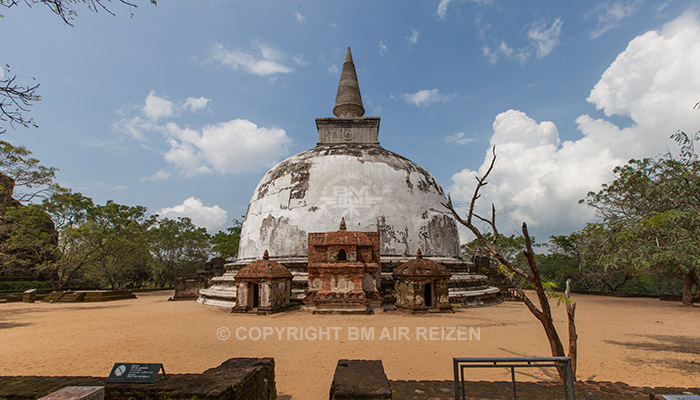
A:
x: 71, y: 297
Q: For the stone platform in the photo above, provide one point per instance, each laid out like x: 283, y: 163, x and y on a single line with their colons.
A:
x: 466, y: 289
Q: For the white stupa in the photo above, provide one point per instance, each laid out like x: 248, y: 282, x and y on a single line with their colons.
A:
x: 349, y: 175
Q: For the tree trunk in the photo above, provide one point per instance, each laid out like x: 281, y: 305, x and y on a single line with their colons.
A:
x: 691, y: 278
x: 573, y: 336
x: 553, y: 337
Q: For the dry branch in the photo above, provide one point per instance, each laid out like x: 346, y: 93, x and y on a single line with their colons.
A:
x: 533, y: 279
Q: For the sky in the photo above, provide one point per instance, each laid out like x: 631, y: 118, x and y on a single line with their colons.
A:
x: 182, y: 107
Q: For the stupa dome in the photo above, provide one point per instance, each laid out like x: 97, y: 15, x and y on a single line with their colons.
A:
x: 348, y: 174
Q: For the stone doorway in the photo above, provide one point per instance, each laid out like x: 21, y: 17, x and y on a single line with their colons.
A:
x: 428, y: 295
x: 256, y: 296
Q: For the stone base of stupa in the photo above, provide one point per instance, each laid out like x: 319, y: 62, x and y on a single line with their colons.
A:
x: 222, y: 292
x: 466, y: 288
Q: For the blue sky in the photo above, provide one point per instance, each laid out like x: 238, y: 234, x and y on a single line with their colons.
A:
x: 184, y: 106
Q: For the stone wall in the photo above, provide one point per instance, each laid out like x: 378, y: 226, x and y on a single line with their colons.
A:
x: 235, y: 379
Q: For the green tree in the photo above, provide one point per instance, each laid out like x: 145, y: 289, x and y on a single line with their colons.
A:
x: 650, y: 216
x: 510, y: 247
x: 118, y: 235
x: 577, y: 257
x: 28, y: 238
x: 178, y: 248
x: 225, y: 243
x: 25, y: 173
x: 69, y: 211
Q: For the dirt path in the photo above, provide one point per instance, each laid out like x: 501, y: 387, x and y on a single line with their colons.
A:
x: 642, y: 342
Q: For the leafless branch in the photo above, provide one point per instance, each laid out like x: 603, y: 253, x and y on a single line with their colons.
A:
x: 16, y: 99
x: 64, y: 8
x: 491, y: 246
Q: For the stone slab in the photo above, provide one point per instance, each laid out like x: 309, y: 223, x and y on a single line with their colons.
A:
x: 360, y: 379
x: 77, y: 393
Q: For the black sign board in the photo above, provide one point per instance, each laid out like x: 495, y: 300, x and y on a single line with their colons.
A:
x: 134, y: 373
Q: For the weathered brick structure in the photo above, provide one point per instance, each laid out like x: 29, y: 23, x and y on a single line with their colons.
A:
x: 421, y: 285
x: 264, y: 286
x: 344, y: 271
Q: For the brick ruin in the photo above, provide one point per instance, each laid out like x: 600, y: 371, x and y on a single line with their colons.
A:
x: 344, y: 270
x: 264, y: 286
x: 421, y: 285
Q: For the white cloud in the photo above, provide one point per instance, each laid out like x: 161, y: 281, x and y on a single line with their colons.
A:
x: 156, y: 107
x: 609, y: 16
x: 544, y: 37
x: 299, y: 17
x: 233, y: 147
x: 196, y: 104
x: 160, y: 175
x: 490, y: 55
x: 413, y: 37
x: 539, y: 179
x: 135, y: 127
x: 383, y: 49
x: 481, y: 26
x: 267, y: 62
x: 503, y: 49
x: 459, y: 138
x: 212, y: 218
x: 442, y: 8
x: 425, y: 97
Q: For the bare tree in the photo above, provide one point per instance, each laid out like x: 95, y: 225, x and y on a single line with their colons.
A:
x: 520, y: 278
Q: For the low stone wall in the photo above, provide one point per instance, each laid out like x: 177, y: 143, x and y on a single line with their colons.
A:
x: 585, y: 390
x: 88, y: 296
x: 235, y: 379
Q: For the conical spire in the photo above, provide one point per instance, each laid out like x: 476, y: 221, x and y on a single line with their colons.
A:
x: 348, y: 101
x: 342, y: 224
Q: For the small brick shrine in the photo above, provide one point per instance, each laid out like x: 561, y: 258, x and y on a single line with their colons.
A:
x: 421, y: 285
x: 264, y: 286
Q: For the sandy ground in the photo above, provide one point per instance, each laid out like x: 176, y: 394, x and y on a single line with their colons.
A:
x: 643, y: 342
